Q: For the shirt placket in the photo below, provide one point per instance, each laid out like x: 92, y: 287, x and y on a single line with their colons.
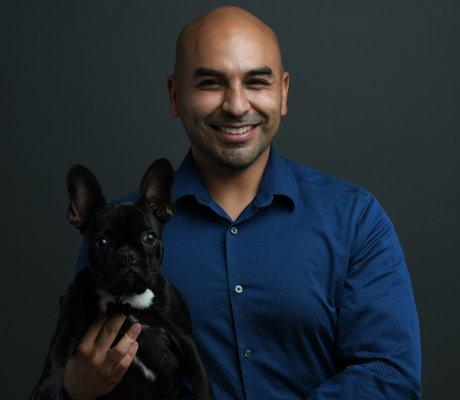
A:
x: 236, y: 246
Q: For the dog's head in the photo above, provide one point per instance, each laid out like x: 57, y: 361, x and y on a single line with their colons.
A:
x: 125, y: 247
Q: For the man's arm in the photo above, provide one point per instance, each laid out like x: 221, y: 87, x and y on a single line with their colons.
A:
x: 377, y: 338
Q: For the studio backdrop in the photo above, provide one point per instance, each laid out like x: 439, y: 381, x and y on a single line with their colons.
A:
x: 373, y: 100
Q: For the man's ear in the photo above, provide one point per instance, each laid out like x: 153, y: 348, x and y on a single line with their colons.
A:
x: 85, y: 196
x: 172, y: 90
x: 284, y: 93
x: 155, y: 189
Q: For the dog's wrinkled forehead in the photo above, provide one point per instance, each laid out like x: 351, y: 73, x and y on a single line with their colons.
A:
x: 125, y: 218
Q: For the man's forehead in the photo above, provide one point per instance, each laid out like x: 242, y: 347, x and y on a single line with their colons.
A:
x: 232, y: 39
x: 231, y: 53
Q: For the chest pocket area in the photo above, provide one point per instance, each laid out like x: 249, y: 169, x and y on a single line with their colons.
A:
x: 299, y: 280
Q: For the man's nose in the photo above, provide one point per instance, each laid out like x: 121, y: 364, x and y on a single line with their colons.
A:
x: 235, y: 102
x: 127, y: 255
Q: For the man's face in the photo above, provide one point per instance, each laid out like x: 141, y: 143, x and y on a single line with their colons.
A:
x: 230, y: 93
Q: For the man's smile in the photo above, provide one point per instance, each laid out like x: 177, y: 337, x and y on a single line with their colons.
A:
x: 235, y: 134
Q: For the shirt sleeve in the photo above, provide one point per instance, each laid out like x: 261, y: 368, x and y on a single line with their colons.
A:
x: 378, y: 342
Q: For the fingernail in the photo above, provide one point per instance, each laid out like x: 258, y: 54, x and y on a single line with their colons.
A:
x: 137, y: 327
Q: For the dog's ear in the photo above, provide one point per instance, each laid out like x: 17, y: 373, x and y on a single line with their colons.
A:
x: 85, y: 196
x: 155, y: 189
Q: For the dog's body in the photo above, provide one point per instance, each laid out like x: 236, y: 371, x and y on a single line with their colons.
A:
x: 123, y: 275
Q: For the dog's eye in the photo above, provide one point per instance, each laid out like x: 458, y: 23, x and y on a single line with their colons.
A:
x: 149, y: 239
x: 101, y: 242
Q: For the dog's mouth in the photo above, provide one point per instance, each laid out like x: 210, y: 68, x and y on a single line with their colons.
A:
x: 126, y: 284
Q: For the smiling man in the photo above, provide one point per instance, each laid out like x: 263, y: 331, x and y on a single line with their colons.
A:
x: 295, y: 280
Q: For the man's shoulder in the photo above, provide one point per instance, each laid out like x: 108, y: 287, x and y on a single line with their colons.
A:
x: 311, y: 178
x: 306, y: 177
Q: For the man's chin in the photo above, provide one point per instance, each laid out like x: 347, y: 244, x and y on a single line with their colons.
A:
x: 239, y: 158
x: 232, y: 156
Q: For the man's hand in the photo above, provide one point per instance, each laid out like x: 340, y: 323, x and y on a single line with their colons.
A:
x: 95, y: 368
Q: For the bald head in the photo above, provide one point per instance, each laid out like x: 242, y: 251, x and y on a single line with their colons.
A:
x: 224, y: 26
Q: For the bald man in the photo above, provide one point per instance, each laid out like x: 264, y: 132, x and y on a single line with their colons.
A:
x: 295, y: 280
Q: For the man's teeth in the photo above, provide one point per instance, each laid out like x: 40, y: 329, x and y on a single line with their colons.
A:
x: 235, y: 131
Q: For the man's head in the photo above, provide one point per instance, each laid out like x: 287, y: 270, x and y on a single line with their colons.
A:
x: 229, y: 78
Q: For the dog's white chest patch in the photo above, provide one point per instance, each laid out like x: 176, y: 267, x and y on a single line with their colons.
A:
x: 139, y: 301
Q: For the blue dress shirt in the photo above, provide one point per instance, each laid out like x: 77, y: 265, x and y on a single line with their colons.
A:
x: 305, y: 296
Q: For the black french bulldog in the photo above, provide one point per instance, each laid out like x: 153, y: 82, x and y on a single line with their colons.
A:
x: 123, y: 275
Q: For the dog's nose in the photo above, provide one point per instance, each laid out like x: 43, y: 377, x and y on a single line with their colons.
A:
x: 127, y: 255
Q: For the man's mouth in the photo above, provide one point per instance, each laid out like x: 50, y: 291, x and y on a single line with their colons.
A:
x: 234, y: 133
x: 234, y: 130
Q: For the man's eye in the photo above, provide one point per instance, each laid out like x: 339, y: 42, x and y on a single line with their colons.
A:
x: 149, y: 239
x: 101, y: 242
x: 210, y: 82
x: 257, y: 82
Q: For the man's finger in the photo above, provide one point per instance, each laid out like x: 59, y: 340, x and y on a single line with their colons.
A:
x: 93, y: 331
x: 123, y: 346
x: 109, y: 332
x: 120, y: 368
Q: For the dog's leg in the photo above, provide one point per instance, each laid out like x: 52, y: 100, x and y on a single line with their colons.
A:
x: 50, y: 382
x: 194, y: 370
x: 61, y: 348
x: 187, y: 353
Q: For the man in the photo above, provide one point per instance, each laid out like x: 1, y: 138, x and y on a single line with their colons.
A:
x: 295, y: 280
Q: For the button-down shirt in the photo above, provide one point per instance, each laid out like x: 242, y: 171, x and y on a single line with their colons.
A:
x: 305, y: 295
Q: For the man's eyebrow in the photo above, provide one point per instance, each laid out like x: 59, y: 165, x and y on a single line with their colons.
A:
x: 203, y: 71
x: 260, y: 71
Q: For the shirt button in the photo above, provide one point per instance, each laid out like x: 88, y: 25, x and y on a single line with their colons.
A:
x: 248, y: 353
x: 238, y: 289
x: 234, y: 230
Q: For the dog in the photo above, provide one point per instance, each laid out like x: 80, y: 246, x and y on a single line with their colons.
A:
x: 125, y: 251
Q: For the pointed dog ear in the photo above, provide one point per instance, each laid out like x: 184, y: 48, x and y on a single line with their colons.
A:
x: 85, y: 196
x: 155, y: 189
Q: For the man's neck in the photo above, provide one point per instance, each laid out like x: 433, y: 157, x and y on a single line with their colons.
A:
x: 233, y: 190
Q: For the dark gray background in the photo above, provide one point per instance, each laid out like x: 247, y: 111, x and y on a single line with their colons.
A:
x: 373, y: 100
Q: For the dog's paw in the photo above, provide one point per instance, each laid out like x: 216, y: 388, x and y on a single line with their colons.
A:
x: 203, y: 391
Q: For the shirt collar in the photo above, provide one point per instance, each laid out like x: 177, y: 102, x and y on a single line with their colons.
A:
x: 277, y: 180
x: 186, y: 177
